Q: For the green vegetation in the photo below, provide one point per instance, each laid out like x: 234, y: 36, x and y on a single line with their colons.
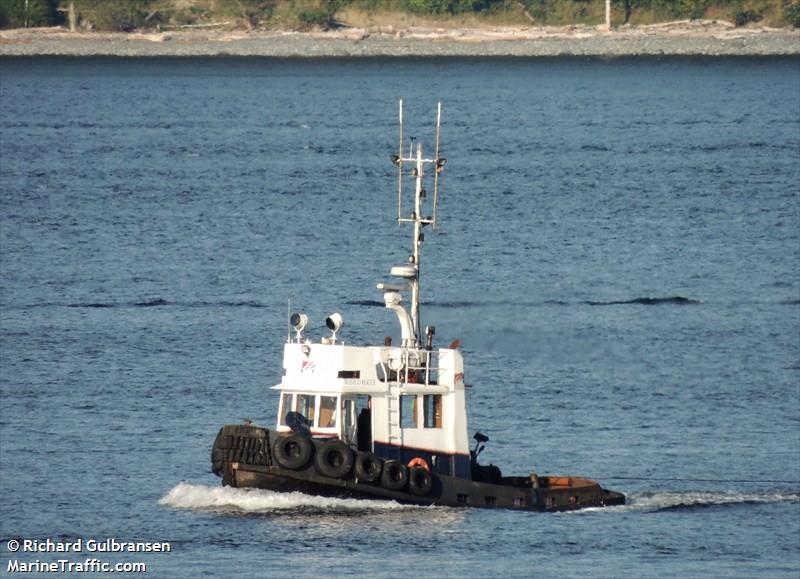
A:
x: 740, y: 12
x: 19, y: 14
x: 126, y: 15
x: 791, y: 11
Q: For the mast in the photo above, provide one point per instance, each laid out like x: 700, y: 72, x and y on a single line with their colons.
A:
x: 416, y: 216
x: 422, y: 214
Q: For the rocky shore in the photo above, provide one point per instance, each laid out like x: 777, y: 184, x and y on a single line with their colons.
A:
x: 706, y: 38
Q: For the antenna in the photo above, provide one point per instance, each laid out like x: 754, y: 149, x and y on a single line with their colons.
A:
x: 414, y: 156
x: 400, y: 169
x: 439, y: 164
x: 423, y: 211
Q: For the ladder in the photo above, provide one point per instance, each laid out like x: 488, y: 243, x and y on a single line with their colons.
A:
x: 393, y: 432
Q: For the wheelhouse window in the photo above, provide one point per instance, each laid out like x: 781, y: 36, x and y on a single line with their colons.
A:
x: 349, y: 412
x: 286, y: 407
x: 306, y: 405
x: 432, y: 404
x: 327, y: 411
x: 408, y: 411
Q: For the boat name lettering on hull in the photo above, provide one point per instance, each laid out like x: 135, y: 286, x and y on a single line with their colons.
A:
x: 359, y: 382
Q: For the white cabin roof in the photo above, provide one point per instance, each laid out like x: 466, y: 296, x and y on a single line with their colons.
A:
x: 345, y: 369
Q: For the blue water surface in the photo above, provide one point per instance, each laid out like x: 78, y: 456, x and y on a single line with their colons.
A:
x: 618, y: 250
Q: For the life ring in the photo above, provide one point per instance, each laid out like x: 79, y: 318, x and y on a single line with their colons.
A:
x: 292, y: 451
x: 395, y: 475
x: 334, y: 459
x: 421, y: 462
x: 420, y: 481
x: 368, y: 467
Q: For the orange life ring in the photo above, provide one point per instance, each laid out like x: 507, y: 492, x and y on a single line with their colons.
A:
x: 417, y: 461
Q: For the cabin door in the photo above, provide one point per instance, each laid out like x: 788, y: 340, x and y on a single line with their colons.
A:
x: 364, y: 422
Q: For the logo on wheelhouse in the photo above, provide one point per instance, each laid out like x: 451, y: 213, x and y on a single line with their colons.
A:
x: 308, y: 366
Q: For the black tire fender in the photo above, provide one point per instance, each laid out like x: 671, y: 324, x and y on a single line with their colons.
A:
x: 292, y: 451
x: 334, y: 459
x: 394, y: 476
x: 368, y: 467
x: 420, y: 481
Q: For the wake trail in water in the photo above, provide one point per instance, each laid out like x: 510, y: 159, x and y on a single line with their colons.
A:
x: 162, y: 303
x: 154, y: 303
x: 227, y: 499
x: 668, y: 301
x: 202, y: 497
x: 694, y: 500
x: 686, y: 501
x: 640, y: 301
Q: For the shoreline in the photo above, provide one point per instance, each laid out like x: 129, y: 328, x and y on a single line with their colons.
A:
x: 683, y: 38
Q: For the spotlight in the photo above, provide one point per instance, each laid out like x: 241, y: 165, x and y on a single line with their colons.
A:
x: 334, y: 323
x: 299, y: 322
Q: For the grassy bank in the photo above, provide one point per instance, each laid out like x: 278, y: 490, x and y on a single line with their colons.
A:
x: 128, y: 15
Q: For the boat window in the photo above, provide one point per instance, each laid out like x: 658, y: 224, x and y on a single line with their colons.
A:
x: 408, y: 411
x: 306, y: 406
x: 363, y: 401
x: 286, y: 406
x: 327, y: 411
x: 349, y: 374
x: 433, y: 410
x: 349, y: 407
x: 349, y: 412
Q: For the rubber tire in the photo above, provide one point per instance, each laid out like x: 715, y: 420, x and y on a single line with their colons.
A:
x: 420, y: 481
x: 292, y: 451
x: 394, y: 476
x: 368, y: 467
x: 334, y: 459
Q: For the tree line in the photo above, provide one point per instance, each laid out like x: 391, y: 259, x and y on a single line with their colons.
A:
x: 126, y: 15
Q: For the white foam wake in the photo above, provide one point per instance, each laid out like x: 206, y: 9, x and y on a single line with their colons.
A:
x: 219, y: 498
x: 201, y: 497
x: 669, y: 500
x: 660, y: 501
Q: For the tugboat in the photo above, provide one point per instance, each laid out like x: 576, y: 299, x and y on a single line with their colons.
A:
x: 388, y: 421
